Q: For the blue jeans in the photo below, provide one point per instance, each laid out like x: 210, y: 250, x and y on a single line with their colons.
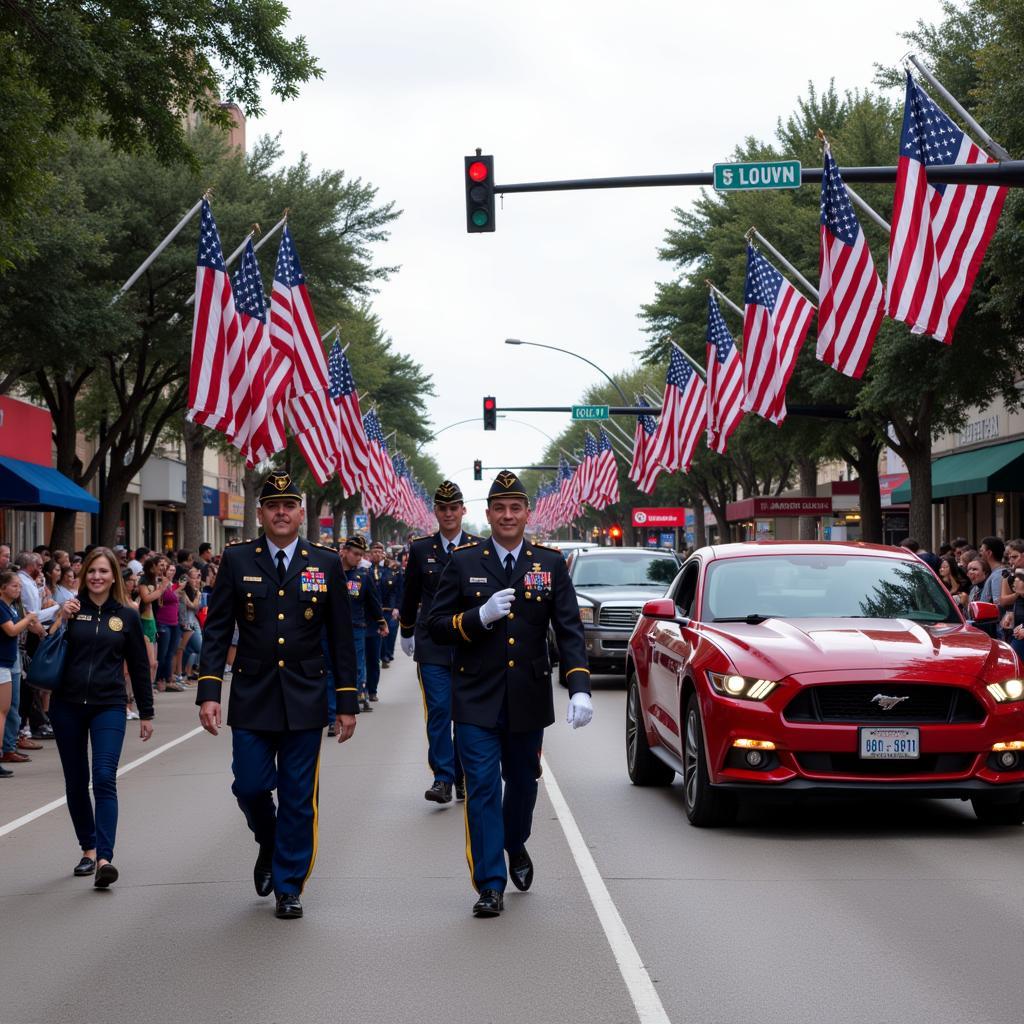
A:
x: 193, y: 648
x: 373, y: 640
x: 10, y: 737
x: 167, y: 638
x: 74, y: 727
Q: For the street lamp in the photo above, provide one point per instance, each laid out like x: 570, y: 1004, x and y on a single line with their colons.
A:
x: 553, y: 348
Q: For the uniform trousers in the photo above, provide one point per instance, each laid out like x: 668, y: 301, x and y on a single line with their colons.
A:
x: 442, y: 756
x: 496, y: 822
x: 359, y: 637
x: 387, y: 647
x: 373, y: 644
x: 288, y: 761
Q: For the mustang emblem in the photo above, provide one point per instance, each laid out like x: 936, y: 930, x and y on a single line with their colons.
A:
x: 887, y: 703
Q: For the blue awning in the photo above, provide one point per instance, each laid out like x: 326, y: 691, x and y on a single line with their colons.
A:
x: 25, y: 485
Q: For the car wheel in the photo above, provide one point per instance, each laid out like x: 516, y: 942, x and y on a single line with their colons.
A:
x: 992, y: 813
x: 643, y: 767
x: 704, y: 806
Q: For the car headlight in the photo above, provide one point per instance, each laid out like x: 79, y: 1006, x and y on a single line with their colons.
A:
x: 1008, y: 691
x: 587, y: 615
x: 741, y: 687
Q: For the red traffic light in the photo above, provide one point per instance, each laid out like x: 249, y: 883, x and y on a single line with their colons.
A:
x: 489, y: 404
x: 477, y: 170
x: 616, y: 531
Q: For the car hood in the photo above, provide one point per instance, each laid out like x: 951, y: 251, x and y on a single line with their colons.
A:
x: 634, y: 595
x: 803, y: 648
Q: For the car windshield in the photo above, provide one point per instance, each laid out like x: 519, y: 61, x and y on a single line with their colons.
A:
x: 625, y: 569
x: 823, y: 586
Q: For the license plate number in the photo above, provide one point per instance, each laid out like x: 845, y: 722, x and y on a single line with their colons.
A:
x: 890, y: 744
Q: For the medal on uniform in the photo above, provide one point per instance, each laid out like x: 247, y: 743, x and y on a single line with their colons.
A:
x: 313, y: 581
x: 308, y: 613
x: 250, y: 611
x: 537, y: 580
x: 115, y: 624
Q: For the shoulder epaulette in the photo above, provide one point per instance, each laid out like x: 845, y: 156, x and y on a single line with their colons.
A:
x: 468, y: 544
x: 544, y: 547
x: 425, y: 536
x: 326, y: 547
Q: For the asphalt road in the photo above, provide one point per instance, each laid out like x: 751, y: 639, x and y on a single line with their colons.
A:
x: 808, y: 913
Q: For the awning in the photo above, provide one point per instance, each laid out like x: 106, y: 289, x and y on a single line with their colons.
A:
x: 997, y: 468
x: 25, y: 485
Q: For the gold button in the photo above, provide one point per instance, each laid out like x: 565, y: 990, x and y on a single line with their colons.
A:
x: 280, y: 639
x: 280, y: 664
x: 304, y: 553
x: 280, y: 593
x: 511, y: 663
x: 528, y: 595
x: 314, y: 600
x: 530, y: 553
x: 478, y: 593
x: 512, y: 640
x: 511, y: 615
x: 248, y: 595
x: 280, y: 615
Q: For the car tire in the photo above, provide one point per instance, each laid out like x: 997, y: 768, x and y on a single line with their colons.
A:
x: 991, y: 813
x: 643, y: 767
x: 705, y: 807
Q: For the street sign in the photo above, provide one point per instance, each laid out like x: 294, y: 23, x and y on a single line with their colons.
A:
x: 590, y: 412
x: 763, y: 174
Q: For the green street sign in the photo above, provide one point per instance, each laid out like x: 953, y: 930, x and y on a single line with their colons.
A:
x: 765, y: 174
x: 590, y: 412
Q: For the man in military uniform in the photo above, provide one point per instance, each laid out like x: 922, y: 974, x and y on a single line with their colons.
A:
x: 494, y: 603
x: 374, y: 640
x: 284, y: 593
x: 428, y: 557
x: 367, y: 618
x: 391, y: 584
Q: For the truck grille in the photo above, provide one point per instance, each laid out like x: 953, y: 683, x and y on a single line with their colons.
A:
x: 853, y: 703
x: 619, y: 618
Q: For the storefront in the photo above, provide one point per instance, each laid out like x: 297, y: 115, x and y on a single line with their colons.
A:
x: 660, y: 527
x: 231, y: 515
x: 775, y: 518
x: 163, y: 494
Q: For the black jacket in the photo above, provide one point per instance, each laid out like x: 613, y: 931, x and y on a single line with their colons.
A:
x: 101, y: 641
x: 364, y: 598
x: 279, y: 678
x: 505, y: 669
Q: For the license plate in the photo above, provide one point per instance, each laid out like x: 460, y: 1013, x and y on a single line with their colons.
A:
x: 890, y: 744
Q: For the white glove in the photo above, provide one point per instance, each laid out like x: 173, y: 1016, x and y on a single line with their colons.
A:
x: 408, y: 645
x: 580, y: 710
x: 497, y: 606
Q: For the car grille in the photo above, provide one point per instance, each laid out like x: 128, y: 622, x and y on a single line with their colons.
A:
x: 620, y: 617
x: 850, y: 764
x: 853, y: 703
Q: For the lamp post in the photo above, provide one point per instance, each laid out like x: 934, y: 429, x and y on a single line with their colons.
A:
x: 565, y: 351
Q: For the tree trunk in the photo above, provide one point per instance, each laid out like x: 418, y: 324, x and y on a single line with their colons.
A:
x: 919, y: 466
x: 808, y: 471
x: 118, y: 479
x: 865, y: 460
x: 65, y: 438
x: 700, y: 530
x: 337, y: 515
x: 195, y: 446
x: 251, y: 490
x: 313, y: 499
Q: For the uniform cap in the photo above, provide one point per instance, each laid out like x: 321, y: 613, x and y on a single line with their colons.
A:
x: 507, y: 485
x: 279, y: 485
x: 356, y: 541
x: 447, y: 493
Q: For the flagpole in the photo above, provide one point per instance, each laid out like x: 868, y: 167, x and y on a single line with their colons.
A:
x: 753, y: 232
x: 623, y: 440
x: 876, y: 217
x: 691, y: 361
x: 175, y: 231
x: 990, y: 145
x: 725, y: 298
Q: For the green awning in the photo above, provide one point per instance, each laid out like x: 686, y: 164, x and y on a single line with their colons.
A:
x: 998, y: 468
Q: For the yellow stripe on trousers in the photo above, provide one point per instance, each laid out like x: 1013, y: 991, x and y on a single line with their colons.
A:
x: 426, y: 713
x: 316, y: 821
x: 469, y: 843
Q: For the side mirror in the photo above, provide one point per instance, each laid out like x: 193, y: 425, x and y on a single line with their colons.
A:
x: 662, y: 608
x: 979, y: 611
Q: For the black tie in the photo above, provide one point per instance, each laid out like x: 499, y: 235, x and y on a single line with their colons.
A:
x: 280, y: 566
x: 510, y: 564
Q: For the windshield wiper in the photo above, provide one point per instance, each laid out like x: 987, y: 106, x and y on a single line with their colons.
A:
x: 753, y: 618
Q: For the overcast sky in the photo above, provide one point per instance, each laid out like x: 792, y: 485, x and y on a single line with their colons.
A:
x: 552, y: 89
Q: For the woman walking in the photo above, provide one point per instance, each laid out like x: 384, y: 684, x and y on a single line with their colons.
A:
x: 88, y: 705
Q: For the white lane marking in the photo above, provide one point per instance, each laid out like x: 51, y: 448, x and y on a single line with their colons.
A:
x: 54, y: 804
x: 649, y: 1009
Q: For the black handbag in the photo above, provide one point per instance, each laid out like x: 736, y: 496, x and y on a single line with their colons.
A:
x: 47, y: 667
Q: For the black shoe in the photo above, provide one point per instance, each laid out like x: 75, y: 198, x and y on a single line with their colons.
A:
x: 490, y: 904
x: 460, y: 789
x: 374, y: 698
x: 5, y: 773
x: 520, y: 870
x: 385, y: 664
x: 332, y: 730
x: 365, y: 706
x: 86, y: 866
x: 288, y: 905
x: 440, y: 793
x: 106, y: 874
x: 44, y: 732
x: 261, y: 873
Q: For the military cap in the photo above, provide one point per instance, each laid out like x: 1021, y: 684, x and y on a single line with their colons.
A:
x: 356, y: 541
x: 447, y: 493
x: 377, y: 544
x: 279, y: 485
x: 507, y: 485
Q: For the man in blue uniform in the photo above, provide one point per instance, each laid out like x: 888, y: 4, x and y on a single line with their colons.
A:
x: 284, y: 593
x: 391, y: 582
x: 374, y: 639
x: 367, y: 618
x: 427, y: 558
x: 494, y: 602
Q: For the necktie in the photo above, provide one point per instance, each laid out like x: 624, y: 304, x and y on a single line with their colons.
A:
x: 280, y: 566
x: 510, y: 564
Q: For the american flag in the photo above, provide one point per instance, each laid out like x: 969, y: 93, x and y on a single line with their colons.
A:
x: 775, y: 322
x: 354, y: 452
x: 380, y: 483
x: 725, y: 380
x: 939, y: 232
x: 218, y: 354
x: 850, y: 291
x: 606, y: 474
x: 684, y: 415
x: 586, y: 472
x: 644, y: 470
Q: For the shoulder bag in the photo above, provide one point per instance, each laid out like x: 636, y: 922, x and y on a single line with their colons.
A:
x: 48, y: 661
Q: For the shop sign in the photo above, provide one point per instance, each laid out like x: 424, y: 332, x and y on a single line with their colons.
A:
x: 25, y: 431
x: 984, y: 429
x: 232, y: 507
x: 659, y: 517
x: 753, y: 508
x: 211, y: 501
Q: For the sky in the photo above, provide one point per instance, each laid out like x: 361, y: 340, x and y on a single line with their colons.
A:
x: 553, y: 89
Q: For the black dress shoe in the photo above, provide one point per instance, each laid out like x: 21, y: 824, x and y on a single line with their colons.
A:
x: 261, y: 873
x: 5, y: 773
x: 106, y: 875
x: 460, y: 789
x: 520, y: 870
x: 288, y: 905
x: 332, y: 729
x: 86, y: 866
x: 490, y: 904
x: 440, y: 793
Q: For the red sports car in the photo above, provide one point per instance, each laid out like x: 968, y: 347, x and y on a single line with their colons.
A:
x: 776, y: 667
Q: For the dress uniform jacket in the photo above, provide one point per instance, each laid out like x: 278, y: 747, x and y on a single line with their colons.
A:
x: 279, y: 673
x: 364, y: 597
x: 505, y: 670
x: 390, y: 590
x: 427, y: 560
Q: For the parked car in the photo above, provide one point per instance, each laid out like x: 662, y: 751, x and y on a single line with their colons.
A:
x: 567, y: 547
x: 834, y: 668
x: 612, y: 585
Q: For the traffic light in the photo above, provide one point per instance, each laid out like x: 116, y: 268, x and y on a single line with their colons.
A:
x: 615, y: 533
x: 479, y: 180
x: 478, y: 470
x: 490, y: 413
